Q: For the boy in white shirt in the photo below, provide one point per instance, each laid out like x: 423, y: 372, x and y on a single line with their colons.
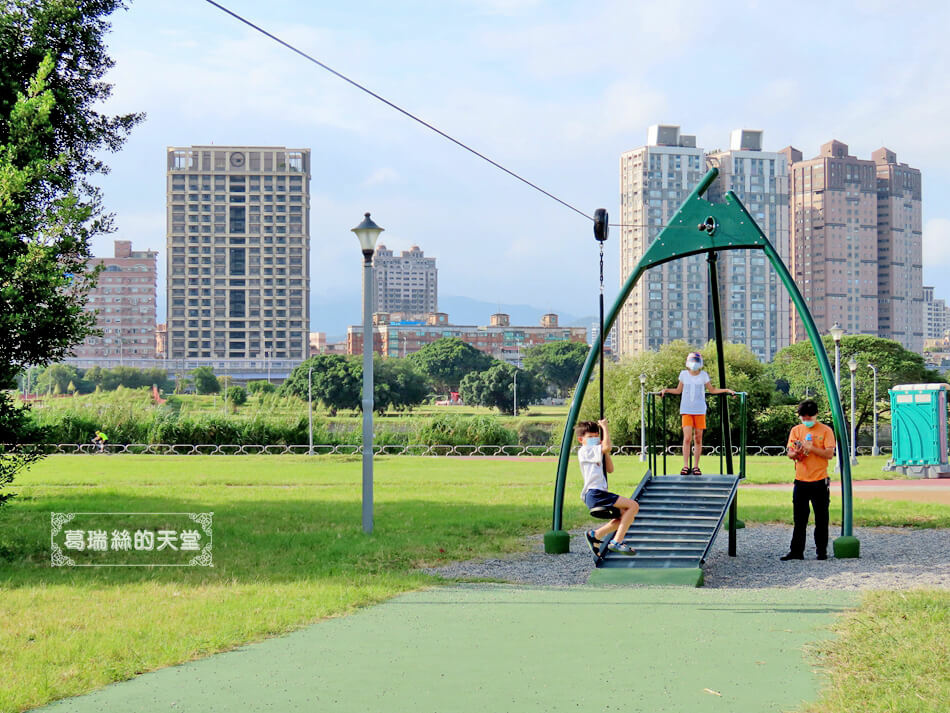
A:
x: 594, y: 457
x: 693, y: 385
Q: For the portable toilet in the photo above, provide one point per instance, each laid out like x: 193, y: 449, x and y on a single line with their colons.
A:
x: 919, y: 430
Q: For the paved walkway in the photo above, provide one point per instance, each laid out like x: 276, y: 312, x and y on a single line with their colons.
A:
x: 504, y: 648
x: 924, y: 490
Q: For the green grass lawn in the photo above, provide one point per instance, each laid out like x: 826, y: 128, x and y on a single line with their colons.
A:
x: 288, y: 550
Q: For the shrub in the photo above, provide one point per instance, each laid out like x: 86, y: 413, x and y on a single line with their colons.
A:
x: 260, y: 387
x: 236, y: 395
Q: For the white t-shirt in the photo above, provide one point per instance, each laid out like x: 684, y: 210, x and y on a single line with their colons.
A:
x: 693, y: 400
x: 592, y: 468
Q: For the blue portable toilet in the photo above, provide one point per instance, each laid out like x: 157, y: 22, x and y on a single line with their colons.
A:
x: 919, y: 430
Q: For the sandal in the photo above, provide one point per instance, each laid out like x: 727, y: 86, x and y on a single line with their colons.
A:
x: 593, y: 542
x: 621, y: 547
x: 685, y: 471
x: 697, y: 471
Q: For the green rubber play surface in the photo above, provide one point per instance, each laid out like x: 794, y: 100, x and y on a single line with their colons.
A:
x: 507, y: 648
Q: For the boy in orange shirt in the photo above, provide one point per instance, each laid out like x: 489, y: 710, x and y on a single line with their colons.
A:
x: 811, y: 445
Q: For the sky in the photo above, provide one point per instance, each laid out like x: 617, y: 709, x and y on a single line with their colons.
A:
x: 554, y: 91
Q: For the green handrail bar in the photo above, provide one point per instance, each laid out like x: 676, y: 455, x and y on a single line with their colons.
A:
x: 700, y: 226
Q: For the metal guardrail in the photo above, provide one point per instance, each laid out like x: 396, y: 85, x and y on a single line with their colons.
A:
x: 211, y: 449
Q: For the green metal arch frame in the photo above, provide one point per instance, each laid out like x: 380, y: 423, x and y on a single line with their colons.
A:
x: 729, y: 226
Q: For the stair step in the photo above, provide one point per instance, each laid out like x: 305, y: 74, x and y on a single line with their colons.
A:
x: 663, y: 516
x: 666, y: 506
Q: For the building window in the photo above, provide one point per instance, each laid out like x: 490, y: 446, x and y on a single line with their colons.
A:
x: 237, y: 219
x: 237, y: 303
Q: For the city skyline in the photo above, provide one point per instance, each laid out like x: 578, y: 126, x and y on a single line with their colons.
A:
x: 522, y: 83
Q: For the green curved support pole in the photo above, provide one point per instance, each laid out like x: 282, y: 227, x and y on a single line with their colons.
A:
x: 725, y: 226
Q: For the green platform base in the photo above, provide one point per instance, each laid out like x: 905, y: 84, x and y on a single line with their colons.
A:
x: 847, y: 547
x: 557, y: 542
x: 667, y: 576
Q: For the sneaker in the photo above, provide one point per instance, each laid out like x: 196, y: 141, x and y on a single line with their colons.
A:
x: 822, y: 556
x: 621, y: 547
x: 593, y: 543
x: 791, y: 556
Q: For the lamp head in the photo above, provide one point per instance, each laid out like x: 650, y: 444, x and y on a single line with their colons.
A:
x: 836, y: 332
x: 368, y: 233
x: 643, y: 379
x: 853, y: 364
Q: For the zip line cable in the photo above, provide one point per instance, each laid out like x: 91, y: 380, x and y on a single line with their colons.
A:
x: 409, y: 114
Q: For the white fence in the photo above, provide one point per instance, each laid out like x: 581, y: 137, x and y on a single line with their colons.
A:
x: 183, y: 449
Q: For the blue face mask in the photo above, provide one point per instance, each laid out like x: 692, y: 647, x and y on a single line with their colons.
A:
x: 592, y: 441
x: 694, y: 365
x: 808, y: 424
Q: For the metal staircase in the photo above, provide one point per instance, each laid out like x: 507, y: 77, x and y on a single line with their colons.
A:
x: 679, y: 518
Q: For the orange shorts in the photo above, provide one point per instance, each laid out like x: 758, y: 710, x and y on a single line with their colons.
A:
x: 694, y: 420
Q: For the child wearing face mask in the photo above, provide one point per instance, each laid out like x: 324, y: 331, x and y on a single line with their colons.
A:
x: 694, y: 383
x: 594, y: 457
x: 811, y: 445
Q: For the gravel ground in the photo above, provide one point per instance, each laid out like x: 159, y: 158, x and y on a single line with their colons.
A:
x: 891, y: 558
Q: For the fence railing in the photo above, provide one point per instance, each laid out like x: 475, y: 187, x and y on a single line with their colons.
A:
x: 212, y: 449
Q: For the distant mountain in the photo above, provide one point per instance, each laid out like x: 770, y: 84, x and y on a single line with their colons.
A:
x: 334, y: 313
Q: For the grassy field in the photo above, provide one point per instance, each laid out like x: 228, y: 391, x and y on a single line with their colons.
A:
x: 288, y: 550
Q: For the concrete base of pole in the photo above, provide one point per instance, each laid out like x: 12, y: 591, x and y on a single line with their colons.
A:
x: 875, y: 451
x: 847, y: 547
x: 557, y: 542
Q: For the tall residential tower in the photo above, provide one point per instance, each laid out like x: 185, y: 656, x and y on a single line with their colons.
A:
x: 670, y: 301
x: 406, y: 283
x: 755, y: 305
x: 238, y: 252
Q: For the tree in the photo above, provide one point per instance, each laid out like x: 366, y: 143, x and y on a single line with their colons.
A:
x: 260, y: 386
x: 53, y: 60
x: 236, y: 395
x: 662, y: 367
x: 397, y: 384
x: 205, y: 380
x: 557, y: 364
x: 494, y: 388
x: 446, y: 360
x: 336, y: 381
x: 895, y: 365
x: 56, y: 376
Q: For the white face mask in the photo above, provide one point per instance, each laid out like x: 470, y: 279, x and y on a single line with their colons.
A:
x: 694, y: 365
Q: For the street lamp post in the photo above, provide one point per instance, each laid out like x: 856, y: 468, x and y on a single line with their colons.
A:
x: 875, y: 451
x: 643, y: 422
x: 836, y: 333
x: 368, y: 233
x: 310, y: 409
x: 853, y: 366
x: 516, y: 392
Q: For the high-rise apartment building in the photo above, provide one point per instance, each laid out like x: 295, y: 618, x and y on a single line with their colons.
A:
x: 899, y: 251
x: 238, y: 252
x: 856, y: 243
x: 755, y: 306
x: 935, y: 314
x: 407, y: 283
x: 671, y: 301
x: 834, y: 239
x: 124, y: 300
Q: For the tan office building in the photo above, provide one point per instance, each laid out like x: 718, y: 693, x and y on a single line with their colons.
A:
x: 856, y: 243
x: 124, y: 300
x: 238, y: 252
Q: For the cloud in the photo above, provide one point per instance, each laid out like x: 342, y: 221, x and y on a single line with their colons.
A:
x: 382, y: 176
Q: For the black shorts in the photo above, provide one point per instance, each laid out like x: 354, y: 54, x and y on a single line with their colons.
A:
x: 599, y: 499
